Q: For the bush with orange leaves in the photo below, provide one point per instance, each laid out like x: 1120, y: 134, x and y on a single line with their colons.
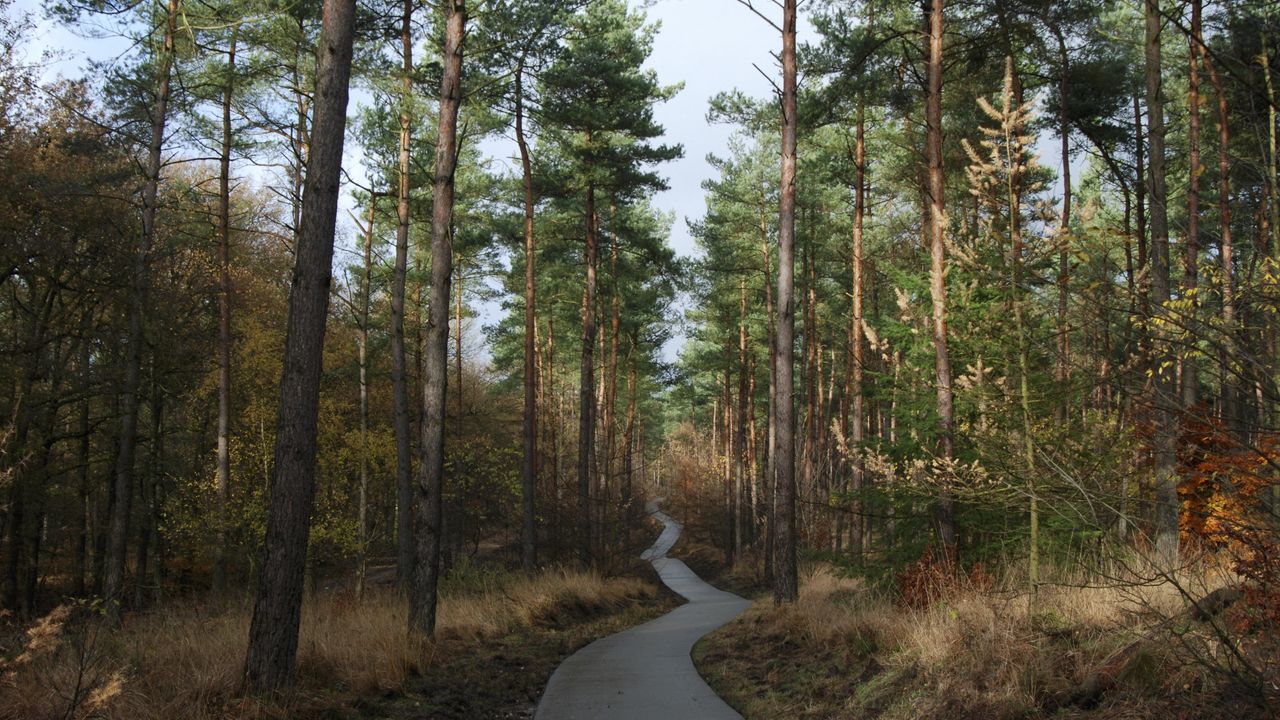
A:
x: 932, y: 579
x: 1226, y: 480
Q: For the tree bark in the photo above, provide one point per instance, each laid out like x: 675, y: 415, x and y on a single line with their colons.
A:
x: 628, y: 442
x: 611, y: 387
x: 427, y: 508
x: 770, y: 447
x: 740, y: 436
x: 1064, y: 349
x: 273, y: 631
x: 1273, y: 238
x: 399, y: 366
x: 83, y: 461
x: 362, y: 506
x: 224, y: 326
x: 785, y: 580
x: 1190, y: 380
x: 857, y: 339
x: 1228, y: 351
x: 945, y: 512
x: 113, y: 571
x: 1163, y: 395
x: 586, y: 390
x: 528, y: 467
x: 460, y: 269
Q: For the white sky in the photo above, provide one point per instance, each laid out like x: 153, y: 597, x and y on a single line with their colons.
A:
x: 710, y: 45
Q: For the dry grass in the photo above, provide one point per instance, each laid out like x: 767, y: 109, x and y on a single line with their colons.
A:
x: 844, y: 650
x: 187, y: 661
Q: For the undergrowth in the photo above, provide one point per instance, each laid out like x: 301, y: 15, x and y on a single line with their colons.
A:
x: 1124, y: 644
x: 186, y: 660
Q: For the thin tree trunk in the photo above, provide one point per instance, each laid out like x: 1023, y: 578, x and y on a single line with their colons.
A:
x: 586, y: 390
x: 1140, y: 189
x: 427, y: 516
x: 399, y: 367
x: 273, y: 631
x: 1064, y: 238
x: 113, y: 575
x: 147, y: 533
x: 937, y: 271
x: 628, y: 442
x: 1013, y: 190
x: 81, y: 560
x: 362, y: 508
x: 1190, y: 380
x: 726, y: 453
x: 857, y: 422
x: 528, y: 468
x: 1228, y: 352
x: 1163, y: 388
x: 810, y: 377
x: 740, y: 438
x: 753, y: 470
x: 785, y: 580
x: 615, y: 323
x: 770, y: 448
x: 1273, y: 238
x: 224, y: 326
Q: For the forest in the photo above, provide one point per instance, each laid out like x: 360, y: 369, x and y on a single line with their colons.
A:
x: 348, y: 350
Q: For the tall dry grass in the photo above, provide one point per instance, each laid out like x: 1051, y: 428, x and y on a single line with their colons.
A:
x: 989, y: 652
x: 186, y: 661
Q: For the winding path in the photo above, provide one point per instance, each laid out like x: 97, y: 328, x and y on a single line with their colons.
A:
x: 646, y: 673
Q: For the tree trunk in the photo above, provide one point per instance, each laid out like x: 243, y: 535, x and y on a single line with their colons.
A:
x: 362, y: 507
x: 149, y: 531
x: 810, y: 372
x: 85, y: 431
x: 1190, y: 380
x: 937, y: 270
x: 113, y: 571
x: 1163, y: 396
x: 1273, y: 239
x: 857, y: 422
x: 427, y: 516
x: 224, y: 326
x: 586, y: 390
x: 399, y: 366
x: 459, y: 267
x: 770, y: 447
x: 785, y: 580
x: 1228, y: 350
x: 1140, y: 191
x: 615, y: 321
x: 273, y: 632
x: 528, y: 468
x: 740, y: 479
x: 1063, y: 373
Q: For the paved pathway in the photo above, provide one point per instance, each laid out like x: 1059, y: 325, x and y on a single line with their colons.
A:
x: 646, y: 673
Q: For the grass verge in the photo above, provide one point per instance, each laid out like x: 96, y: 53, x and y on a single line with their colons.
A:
x: 847, y: 651
x: 497, y: 641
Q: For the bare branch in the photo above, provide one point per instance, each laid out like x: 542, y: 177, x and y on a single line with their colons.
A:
x: 748, y: 5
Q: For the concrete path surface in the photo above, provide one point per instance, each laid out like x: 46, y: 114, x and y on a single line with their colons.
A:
x: 646, y: 673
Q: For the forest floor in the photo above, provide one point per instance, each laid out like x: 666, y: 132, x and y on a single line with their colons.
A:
x: 499, y: 637
x: 846, y: 650
x: 502, y: 677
